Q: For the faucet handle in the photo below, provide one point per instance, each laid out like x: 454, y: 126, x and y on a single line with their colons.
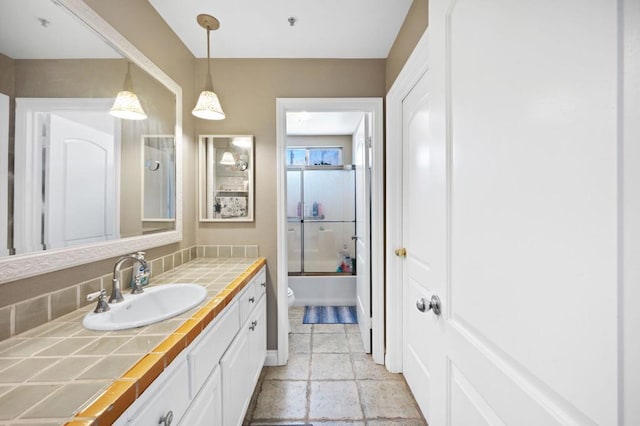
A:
x: 102, y: 305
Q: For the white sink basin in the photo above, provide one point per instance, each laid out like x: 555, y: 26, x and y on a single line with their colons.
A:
x: 154, y: 305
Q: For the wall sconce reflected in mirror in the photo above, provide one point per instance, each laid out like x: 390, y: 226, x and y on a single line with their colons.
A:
x: 127, y: 105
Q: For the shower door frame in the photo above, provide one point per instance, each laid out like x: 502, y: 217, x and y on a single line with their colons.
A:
x: 302, y: 220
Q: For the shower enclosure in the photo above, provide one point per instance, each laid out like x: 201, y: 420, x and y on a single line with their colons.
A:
x: 321, y: 220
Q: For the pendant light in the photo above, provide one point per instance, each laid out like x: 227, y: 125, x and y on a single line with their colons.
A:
x: 127, y: 105
x: 227, y: 159
x: 208, y: 105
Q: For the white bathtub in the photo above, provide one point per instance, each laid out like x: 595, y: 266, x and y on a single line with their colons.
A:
x: 339, y: 290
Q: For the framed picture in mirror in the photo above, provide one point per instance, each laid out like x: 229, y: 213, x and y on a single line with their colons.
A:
x: 226, y: 184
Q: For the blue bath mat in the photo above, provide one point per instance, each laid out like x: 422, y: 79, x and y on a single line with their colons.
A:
x: 330, y: 315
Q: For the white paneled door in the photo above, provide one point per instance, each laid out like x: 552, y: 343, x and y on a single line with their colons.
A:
x: 510, y: 215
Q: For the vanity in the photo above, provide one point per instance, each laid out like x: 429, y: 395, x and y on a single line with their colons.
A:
x: 211, y: 379
x: 197, y: 368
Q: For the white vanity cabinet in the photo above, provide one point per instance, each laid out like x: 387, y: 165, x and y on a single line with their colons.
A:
x: 242, y: 363
x: 212, y: 380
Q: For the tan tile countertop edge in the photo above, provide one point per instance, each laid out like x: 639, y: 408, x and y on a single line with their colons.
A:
x: 108, y: 406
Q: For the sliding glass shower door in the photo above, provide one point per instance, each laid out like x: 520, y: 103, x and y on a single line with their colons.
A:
x: 321, y: 220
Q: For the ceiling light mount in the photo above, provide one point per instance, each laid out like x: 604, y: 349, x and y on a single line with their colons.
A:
x: 208, y: 22
x: 292, y: 20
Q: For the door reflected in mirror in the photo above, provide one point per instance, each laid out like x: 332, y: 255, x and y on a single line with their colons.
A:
x: 226, y: 178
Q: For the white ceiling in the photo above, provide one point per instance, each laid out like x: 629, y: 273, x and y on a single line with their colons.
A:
x: 259, y: 28
x: 305, y: 123
x: 23, y: 36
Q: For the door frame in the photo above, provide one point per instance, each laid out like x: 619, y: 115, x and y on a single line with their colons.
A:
x: 370, y: 105
x: 414, y: 69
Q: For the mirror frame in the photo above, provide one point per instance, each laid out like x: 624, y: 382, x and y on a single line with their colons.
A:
x: 27, y: 265
x: 202, y: 180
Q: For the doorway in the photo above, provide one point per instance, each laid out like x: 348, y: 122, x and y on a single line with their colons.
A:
x: 368, y: 239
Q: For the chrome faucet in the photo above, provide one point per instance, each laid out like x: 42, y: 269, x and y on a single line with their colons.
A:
x: 116, y: 288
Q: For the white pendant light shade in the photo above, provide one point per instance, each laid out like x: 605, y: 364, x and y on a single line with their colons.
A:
x: 208, y: 107
x: 127, y: 105
x: 227, y: 159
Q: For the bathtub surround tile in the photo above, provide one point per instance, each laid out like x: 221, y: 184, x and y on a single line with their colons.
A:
x: 31, y: 313
x: 210, y: 251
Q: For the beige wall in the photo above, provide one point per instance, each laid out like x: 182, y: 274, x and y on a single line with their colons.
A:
x: 412, y: 29
x: 248, y: 89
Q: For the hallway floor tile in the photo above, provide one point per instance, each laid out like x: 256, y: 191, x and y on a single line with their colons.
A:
x: 329, y: 380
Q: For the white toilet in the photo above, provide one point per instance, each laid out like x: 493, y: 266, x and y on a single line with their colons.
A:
x: 292, y: 297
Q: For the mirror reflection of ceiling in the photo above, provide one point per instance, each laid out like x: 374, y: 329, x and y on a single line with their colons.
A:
x: 41, y: 29
x: 304, y: 123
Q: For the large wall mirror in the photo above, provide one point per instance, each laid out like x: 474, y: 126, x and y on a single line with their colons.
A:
x: 77, y: 183
x: 226, y: 178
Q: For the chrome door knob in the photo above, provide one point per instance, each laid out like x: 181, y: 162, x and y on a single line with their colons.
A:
x: 434, y: 305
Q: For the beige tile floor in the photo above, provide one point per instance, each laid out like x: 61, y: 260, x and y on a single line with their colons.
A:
x: 329, y: 380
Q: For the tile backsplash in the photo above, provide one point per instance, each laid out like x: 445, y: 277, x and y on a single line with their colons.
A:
x: 27, y: 314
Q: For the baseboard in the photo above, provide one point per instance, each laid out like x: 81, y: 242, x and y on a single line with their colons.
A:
x: 272, y: 358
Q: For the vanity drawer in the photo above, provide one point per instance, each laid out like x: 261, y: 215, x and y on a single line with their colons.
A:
x: 211, y: 345
x: 169, y: 393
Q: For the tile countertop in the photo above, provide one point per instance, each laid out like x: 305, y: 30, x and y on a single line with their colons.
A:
x: 62, y: 373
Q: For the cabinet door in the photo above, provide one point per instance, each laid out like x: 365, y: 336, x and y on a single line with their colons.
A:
x: 206, y: 409
x: 257, y: 342
x: 235, y: 379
